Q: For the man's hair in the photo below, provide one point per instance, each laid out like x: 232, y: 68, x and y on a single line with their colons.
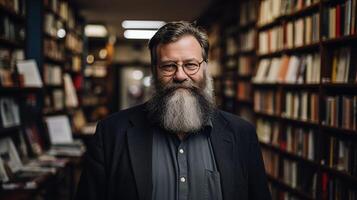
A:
x: 172, y: 32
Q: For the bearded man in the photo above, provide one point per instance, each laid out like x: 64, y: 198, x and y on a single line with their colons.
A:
x: 177, y: 146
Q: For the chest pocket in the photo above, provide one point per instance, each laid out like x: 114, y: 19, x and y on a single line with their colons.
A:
x: 212, y: 188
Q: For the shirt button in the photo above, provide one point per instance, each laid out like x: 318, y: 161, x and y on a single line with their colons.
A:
x: 181, y: 151
x: 182, y: 179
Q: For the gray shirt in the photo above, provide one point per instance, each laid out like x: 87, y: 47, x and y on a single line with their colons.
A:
x: 184, y: 170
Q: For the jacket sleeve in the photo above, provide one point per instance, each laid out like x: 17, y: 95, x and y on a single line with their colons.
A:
x: 257, y: 180
x: 92, y: 183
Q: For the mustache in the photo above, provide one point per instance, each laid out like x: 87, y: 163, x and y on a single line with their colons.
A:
x: 171, y: 88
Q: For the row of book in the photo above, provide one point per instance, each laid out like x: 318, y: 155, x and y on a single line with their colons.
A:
x: 341, y: 111
x: 11, y: 30
x: 75, y: 63
x: 273, y: 9
x: 341, y: 155
x: 53, y: 49
x: 10, y: 113
x: 296, y: 140
x: 297, y: 33
x: 74, y: 43
x: 8, y: 60
x: 267, y: 101
x: 246, y: 65
x: 231, y: 46
x: 334, y: 188
x: 302, y: 106
x: 17, y: 6
x: 247, y: 12
x: 289, y: 69
x: 342, y: 71
x: 340, y: 20
x: 295, y: 174
x: 54, y: 101
x: 244, y: 91
x: 52, y: 75
x: 247, y: 40
x: 52, y: 26
x: 25, y: 163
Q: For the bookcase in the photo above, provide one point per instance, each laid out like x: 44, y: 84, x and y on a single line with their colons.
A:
x: 25, y: 170
x: 297, y: 79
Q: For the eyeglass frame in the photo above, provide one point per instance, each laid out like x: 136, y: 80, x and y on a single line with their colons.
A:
x: 183, y: 68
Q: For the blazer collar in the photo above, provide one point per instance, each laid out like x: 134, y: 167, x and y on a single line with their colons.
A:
x: 140, y: 151
x: 222, y: 143
x: 140, y: 137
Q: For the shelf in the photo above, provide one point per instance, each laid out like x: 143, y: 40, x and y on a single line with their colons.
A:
x: 247, y: 26
x: 295, y: 50
x: 290, y: 155
x: 244, y: 102
x: 4, y: 131
x: 19, y: 90
x: 291, y: 86
x: 288, y: 188
x: 47, y: 35
x: 269, y: 25
x: 288, y: 120
x: 54, y: 61
x: 339, y: 174
x: 311, y: 9
x: 12, y: 14
x: 10, y: 44
x: 246, y: 52
x: 247, y: 77
x: 340, y: 132
x: 343, y: 40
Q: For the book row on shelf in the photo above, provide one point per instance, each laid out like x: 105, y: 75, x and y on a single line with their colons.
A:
x: 307, y: 144
x: 10, y: 29
x: 16, y: 6
x: 245, y: 64
x: 271, y: 10
x: 296, y: 69
x: 63, y: 10
x: 247, y: 12
x: 341, y: 111
x: 296, y: 33
x: 340, y: 20
x: 300, y: 181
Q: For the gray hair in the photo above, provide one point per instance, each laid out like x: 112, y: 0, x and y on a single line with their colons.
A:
x: 172, y: 32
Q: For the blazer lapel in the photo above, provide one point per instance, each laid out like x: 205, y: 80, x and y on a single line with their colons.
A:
x: 222, y: 141
x: 140, y: 150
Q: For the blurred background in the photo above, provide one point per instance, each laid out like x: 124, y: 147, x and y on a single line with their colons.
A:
x: 283, y: 65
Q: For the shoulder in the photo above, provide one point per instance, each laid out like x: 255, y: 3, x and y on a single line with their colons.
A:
x: 122, y: 117
x: 236, y: 122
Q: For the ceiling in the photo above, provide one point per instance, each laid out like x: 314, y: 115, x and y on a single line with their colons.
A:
x: 113, y: 12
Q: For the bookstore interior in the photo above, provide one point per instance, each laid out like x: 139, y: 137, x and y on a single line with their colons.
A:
x: 287, y: 66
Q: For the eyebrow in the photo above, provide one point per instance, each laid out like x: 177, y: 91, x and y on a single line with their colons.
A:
x: 187, y: 60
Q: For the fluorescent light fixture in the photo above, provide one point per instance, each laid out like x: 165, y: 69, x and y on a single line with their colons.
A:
x: 95, y: 30
x: 139, y: 34
x: 142, y: 24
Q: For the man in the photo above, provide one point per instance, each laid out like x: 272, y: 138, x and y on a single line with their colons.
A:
x: 177, y: 145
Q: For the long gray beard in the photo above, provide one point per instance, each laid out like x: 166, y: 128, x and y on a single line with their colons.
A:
x: 182, y: 108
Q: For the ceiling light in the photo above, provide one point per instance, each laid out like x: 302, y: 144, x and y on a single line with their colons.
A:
x: 139, y: 34
x: 137, y: 75
x: 95, y: 30
x: 142, y: 24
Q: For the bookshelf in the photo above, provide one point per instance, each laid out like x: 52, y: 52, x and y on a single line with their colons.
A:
x: 22, y: 37
x: 302, y: 81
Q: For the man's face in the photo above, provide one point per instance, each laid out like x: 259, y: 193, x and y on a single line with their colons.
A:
x: 185, y: 50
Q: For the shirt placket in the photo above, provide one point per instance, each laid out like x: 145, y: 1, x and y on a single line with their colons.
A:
x: 182, y: 169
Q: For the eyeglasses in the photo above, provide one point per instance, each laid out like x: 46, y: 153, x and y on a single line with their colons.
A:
x: 189, y: 67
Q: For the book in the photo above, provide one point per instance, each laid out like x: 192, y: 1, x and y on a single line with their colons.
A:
x: 29, y: 69
x: 10, y: 113
x: 71, y: 99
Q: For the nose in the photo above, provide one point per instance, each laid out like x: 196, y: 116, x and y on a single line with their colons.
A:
x: 180, y: 75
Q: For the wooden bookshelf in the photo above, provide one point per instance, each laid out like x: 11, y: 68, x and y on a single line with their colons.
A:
x: 321, y: 47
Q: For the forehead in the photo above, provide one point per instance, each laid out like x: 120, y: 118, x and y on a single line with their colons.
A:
x: 186, y: 47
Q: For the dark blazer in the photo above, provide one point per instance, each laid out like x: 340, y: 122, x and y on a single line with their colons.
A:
x: 118, y: 161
